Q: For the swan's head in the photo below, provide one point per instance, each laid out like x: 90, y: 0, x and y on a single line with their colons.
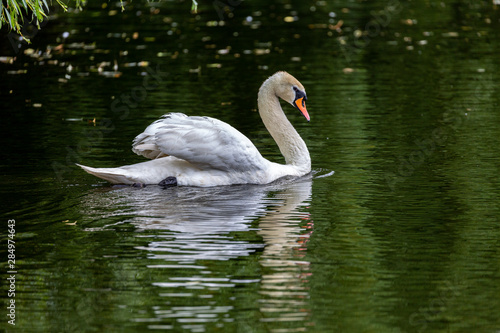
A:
x: 291, y: 90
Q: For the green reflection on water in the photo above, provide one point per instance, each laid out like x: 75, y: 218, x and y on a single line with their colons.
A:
x: 403, y: 238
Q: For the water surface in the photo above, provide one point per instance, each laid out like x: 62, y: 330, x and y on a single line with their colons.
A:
x: 403, y: 237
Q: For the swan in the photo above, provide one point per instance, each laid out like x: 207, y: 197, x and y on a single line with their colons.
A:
x: 203, y: 151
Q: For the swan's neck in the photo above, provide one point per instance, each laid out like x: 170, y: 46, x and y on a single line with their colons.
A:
x: 291, y: 145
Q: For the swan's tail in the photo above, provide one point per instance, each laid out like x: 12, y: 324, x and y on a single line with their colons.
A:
x: 112, y: 175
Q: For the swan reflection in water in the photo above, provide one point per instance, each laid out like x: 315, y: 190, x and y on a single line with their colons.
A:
x: 189, y: 230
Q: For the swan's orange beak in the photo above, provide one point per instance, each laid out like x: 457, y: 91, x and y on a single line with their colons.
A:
x: 300, y: 104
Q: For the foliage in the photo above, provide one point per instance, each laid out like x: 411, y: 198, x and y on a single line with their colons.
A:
x: 14, y: 12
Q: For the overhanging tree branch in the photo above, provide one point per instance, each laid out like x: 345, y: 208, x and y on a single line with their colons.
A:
x: 14, y: 12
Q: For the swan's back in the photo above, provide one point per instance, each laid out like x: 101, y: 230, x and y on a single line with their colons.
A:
x: 205, y: 142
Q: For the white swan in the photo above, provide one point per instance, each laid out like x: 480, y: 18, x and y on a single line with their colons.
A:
x: 203, y: 151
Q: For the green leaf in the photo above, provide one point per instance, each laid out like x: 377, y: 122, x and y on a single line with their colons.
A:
x: 63, y: 5
x: 46, y: 4
x: 39, y: 11
x: 24, y: 5
x: 10, y: 20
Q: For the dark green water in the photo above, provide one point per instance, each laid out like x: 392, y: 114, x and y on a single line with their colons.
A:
x: 403, y: 237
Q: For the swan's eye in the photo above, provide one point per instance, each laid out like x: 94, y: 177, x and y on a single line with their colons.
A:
x: 299, y: 93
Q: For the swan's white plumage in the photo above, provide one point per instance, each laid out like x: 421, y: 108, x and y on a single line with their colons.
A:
x: 203, y: 151
x: 205, y: 142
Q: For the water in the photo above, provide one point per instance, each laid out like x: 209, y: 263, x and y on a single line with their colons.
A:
x: 403, y: 237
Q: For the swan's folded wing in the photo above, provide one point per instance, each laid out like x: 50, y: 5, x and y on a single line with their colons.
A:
x: 205, y: 142
x: 145, y: 143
